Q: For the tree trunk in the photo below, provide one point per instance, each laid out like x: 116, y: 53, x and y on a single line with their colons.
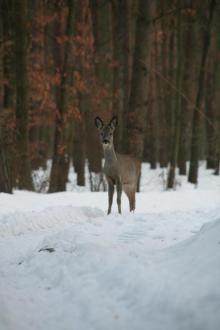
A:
x: 117, y: 72
x: 5, y: 172
x: 93, y: 146
x: 151, y: 131
x: 138, y: 96
x: 165, y: 59
x: 92, y: 142
x: 195, y: 141
x: 102, y: 32
x: 127, y: 27
x: 187, y: 83
x: 217, y: 154
x: 24, y: 179
x: 60, y: 162
x: 79, y: 151
x: 210, y: 110
x: 175, y: 142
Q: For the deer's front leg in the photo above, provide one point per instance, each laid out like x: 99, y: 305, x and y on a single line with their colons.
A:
x: 119, y: 192
x: 110, y: 194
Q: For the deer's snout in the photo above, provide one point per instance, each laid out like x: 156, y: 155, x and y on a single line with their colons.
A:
x: 105, y: 141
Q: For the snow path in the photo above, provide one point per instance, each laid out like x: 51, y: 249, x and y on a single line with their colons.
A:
x: 153, y: 230
x: 165, y: 218
x: 67, y: 266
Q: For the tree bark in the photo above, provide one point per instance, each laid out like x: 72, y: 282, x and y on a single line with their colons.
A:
x: 102, y: 32
x: 165, y: 48
x: 188, y: 82
x: 24, y: 179
x: 79, y: 151
x: 117, y: 21
x: 151, y: 131
x: 60, y: 162
x: 210, y: 110
x: 93, y: 148
x: 138, y: 96
x: 176, y: 120
x: 5, y: 170
x: 195, y: 141
x: 127, y: 19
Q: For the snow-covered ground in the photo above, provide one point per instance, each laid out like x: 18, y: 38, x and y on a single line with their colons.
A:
x: 66, y: 265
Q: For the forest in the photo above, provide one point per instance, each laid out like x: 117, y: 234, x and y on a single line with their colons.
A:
x: 153, y: 64
x: 117, y: 96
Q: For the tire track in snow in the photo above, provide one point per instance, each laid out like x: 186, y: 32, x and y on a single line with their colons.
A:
x: 163, y: 229
x: 19, y: 223
x: 160, y: 230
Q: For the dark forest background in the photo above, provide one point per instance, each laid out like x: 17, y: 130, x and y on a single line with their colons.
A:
x: 154, y: 64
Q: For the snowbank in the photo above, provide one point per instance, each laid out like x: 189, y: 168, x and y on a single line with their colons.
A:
x: 74, y: 268
x: 66, y: 265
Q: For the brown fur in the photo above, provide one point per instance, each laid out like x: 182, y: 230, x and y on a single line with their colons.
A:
x: 122, y: 171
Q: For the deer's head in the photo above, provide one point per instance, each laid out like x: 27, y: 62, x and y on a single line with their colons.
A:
x: 106, y: 131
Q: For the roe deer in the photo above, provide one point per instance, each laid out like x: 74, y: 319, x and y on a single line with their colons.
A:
x: 120, y: 170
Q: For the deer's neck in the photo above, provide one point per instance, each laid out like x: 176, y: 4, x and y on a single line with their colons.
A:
x: 110, y: 155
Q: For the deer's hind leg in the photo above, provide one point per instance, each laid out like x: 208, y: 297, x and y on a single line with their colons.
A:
x: 130, y: 190
x: 110, y: 194
x: 119, y: 192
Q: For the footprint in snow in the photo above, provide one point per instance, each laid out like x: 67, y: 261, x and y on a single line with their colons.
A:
x: 131, y: 236
x: 47, y: 249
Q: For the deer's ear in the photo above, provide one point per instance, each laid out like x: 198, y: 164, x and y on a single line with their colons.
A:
x: 114, y: 122
x: 98, y: 123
